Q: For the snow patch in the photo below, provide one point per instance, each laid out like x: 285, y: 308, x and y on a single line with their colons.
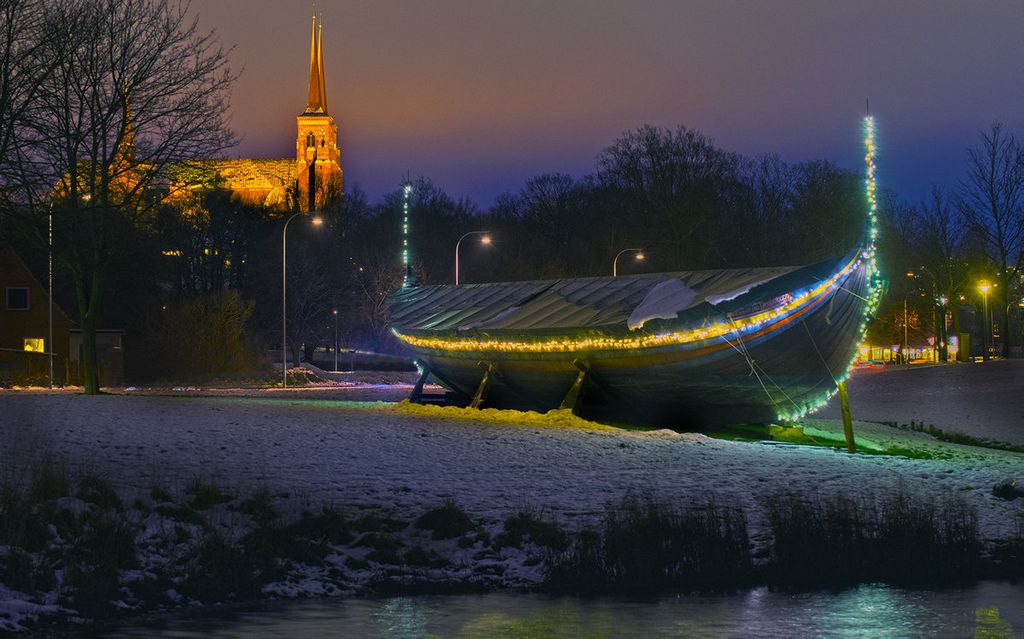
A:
x: 664, y: 301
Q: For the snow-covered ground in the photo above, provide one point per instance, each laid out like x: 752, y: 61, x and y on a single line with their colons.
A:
x: 983, y: 399
x: 410, y: 459
x: 404, y: 460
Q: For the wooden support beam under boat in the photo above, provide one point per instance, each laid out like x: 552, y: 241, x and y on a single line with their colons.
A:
x: 416, y: 397
x: 575, y: 395
x: 481, y: 390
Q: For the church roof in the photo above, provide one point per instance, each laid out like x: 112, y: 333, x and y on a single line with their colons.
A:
x: 317, y: 101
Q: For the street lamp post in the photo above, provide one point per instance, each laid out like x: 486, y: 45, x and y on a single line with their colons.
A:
x: 49, y: 293
x: 485, y: 240
x: 317, y: 221
x: 335, y: 340
x: 985, y: 287
x: 615, y: 263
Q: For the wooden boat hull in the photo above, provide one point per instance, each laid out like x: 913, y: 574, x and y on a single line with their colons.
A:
x: 779, y: 368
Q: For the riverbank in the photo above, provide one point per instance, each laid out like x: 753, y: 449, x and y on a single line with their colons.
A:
x: 244, y: 483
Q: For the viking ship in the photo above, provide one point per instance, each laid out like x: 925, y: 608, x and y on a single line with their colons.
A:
x: 684, y: 348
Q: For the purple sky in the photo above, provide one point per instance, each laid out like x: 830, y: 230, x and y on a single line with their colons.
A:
x: 481, y: 95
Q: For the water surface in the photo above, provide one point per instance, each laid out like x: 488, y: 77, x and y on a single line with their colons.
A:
x: 989, y: 610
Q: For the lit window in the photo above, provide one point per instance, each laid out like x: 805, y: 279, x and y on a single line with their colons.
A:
x: 17, y: 299
x: 35, y: 344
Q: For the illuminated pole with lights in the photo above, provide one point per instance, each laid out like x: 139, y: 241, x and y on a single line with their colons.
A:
x: 874, y: 292
x: 410, y: 279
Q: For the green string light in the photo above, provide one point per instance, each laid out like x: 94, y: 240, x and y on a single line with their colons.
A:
x: 874, y: 293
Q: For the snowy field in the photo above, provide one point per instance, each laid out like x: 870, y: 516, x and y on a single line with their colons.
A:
x: 983, y: 399
x: 409, y: 459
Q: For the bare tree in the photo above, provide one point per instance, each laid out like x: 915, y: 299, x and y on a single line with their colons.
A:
x: 991, y: 199
x: 24, y: 34
x: 941, y: 249
x: 137, y: 91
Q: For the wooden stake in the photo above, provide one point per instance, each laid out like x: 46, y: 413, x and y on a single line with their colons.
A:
x: 844, y: 403
x: 481, y: 391
x: 575, y: 395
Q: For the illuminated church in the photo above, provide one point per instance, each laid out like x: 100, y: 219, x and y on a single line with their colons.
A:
x: 306, y: 182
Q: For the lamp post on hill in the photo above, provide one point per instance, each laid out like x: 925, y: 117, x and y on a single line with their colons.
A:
x: 485, y: 240
x: 640, y: 257
x: 335, y: 311
x: 985, y: 287
x: 317, y: 221
x: 49, y: 293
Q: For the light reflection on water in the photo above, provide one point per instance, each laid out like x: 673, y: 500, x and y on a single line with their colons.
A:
x: 989, y: 610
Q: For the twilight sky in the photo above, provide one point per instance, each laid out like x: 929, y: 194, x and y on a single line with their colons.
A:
x: 481, y: 95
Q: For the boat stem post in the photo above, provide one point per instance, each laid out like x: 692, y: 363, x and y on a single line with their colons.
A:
x: 417, y: 391
x: 844, y: 403
x: 575, y: 395
x: 481, y: 390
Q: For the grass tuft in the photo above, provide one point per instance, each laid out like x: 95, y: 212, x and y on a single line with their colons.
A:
x: 447, y: 521
x: 648, y: 545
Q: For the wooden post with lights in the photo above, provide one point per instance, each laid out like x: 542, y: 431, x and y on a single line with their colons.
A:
x: 844, y: 403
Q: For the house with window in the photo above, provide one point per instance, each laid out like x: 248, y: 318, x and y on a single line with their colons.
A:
x: 24, y: 326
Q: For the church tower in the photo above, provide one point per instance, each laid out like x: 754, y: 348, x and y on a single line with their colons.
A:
x: 318, y: 160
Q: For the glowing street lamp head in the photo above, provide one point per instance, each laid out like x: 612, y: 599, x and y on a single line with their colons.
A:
x: 486, y: 240
x: 317, y: 220
x: 640, y: 257
x: 984, y: 287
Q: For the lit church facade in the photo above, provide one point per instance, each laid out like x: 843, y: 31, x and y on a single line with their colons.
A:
x: 306, y: 182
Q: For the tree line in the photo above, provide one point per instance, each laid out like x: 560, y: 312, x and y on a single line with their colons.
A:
x: 102, y: 102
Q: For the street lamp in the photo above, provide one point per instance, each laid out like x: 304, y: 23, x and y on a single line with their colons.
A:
x: 335, y: 311
x: 640, y: 257
x: 317, y: 221
x: 485, y: 240
x: 985, y: 287
x: 49, y: 293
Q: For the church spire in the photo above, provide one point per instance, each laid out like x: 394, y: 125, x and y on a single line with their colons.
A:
x: 320, y: 64
x: 316, y: 102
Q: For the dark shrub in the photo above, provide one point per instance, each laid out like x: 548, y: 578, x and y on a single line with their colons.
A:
x: 106, y: 545
x: 224, y: 571
x: 647, y: 545
x: 205, y: 495
x: 19, y: 526
x: 94, y: 490
x: 329, y: 527
x: 49, y: 480
x: 840, y: 541
x: 260, y: 507
x: 528, y: 526
x: 447, y: 521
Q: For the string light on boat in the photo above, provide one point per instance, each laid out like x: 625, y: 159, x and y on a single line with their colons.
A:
x: 797, y: 304
x: 874, y: 292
